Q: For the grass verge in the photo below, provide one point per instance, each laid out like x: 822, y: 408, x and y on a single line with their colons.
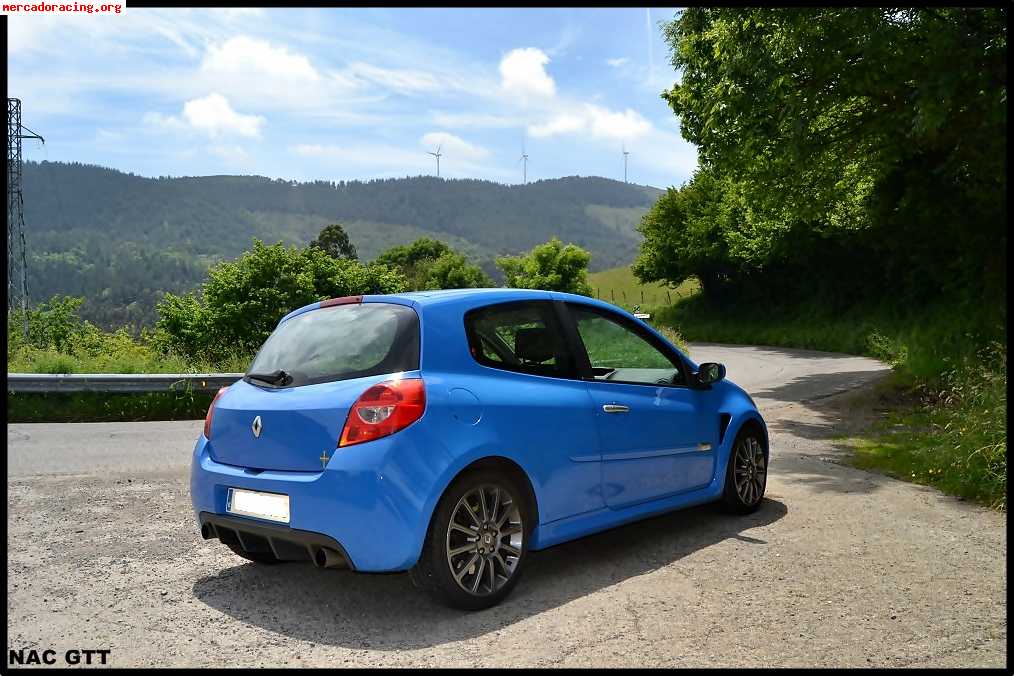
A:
x: 104, y: 407
x: 946, y: 424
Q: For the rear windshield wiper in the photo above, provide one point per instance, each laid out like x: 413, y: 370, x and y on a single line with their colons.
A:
x: 277, y: 377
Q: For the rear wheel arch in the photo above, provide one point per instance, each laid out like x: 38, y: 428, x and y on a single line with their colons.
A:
x: 502, y: 464
x: 496, y: 463
x: 434, y: 570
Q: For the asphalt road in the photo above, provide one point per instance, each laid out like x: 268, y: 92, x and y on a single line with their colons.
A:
x: 840, y: 567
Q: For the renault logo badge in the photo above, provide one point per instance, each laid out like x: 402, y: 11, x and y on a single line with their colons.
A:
x: 256, y: 426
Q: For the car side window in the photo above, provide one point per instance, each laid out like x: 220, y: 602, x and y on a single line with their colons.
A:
x: 619, y: 354
x: 522, y: 337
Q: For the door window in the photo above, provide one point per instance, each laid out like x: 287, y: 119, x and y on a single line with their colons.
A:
x: 620, y: 353
x: 521, y: 337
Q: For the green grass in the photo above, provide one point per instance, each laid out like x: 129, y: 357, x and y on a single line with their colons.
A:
x: 60, y: 342
x: 105, y: 407
x: 921, y: 342
x: 948, y: 393
x: 31, y: 360
x: 953, y: 438
x: 619, y: 286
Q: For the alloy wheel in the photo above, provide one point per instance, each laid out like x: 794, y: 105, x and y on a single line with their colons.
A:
x: 750, y: 470
x: 484, y: 539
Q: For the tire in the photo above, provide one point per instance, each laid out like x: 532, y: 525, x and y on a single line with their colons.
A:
x: 256, y: 557
x: 749, y: 460
x: 477, y: 569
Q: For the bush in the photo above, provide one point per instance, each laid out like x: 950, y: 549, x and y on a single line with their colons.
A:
x: 242, y: 301
x: 950, y: 358
x: 431, y: 264
x: 953, y: 434
x: 550, y: 266
x: 59, y: 341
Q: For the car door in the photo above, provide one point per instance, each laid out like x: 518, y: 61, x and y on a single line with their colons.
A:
x: 535, y: 404
x: 652, y: 433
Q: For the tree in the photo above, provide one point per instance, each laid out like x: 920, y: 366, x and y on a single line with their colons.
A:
x: 242, y: 300
x: 687, y: 232
x: 453, y: 271
x: 551, y: 266
x: 431, y: 264
x: 336, y: 243
x: 859, y: 149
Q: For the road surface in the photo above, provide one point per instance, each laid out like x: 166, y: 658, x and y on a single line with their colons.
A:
x: 840, y: 567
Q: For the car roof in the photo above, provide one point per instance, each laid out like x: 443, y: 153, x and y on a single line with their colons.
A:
x: 466, y: 298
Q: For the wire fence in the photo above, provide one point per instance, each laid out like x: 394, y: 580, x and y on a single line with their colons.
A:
x: 653, y: 298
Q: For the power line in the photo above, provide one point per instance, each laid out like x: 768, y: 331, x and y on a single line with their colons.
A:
x: 17, y: 255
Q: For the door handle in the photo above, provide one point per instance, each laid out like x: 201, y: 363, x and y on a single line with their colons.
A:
x: 615, y: 408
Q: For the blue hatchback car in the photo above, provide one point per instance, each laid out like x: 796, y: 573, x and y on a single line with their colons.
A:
x: 449, y: 433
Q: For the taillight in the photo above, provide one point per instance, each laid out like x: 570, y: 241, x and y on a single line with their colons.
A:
x: 211, y: 412
x: 384, y: 409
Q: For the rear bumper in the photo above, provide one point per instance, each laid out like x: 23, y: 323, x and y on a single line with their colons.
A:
x: 361, y: 505
x: 287, y: 544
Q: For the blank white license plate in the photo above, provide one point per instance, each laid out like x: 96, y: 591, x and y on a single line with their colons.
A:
x: 272, y: 506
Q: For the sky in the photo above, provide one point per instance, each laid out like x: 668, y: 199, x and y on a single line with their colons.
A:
x: 345, y: 93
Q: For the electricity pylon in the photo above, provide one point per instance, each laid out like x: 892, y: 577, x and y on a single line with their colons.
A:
x: 17, y: 256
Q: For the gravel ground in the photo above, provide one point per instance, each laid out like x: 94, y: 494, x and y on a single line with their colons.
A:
x: 840, y: 567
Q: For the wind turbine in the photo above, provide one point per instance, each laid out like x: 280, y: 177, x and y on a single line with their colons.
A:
x: 625, y: 154
x: 524, y: 161
x: 436, y: 155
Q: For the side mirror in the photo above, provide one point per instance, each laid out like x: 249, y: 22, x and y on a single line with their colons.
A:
x: 710, y: 373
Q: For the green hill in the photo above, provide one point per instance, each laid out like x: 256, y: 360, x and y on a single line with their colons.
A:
x: 121, y: 240
x: 618, y: 285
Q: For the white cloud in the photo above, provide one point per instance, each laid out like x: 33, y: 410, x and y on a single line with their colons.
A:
x: 616, y: 63
x: 244, y: 56
x: 523, y: 73
x: 606, y: 123
x: 211, y: 114
x: 255, y: 72
x: 214, y: 115
x: 405, y: 81
x: 453, y: 145
x: 595, y: 120
x: 475, y: 120
x: 167, y: 122
x: 564, y: 123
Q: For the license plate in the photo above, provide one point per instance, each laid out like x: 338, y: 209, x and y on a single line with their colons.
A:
x: 271, y: 506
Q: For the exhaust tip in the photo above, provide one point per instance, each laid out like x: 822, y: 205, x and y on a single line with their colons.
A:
x: 206, y: 531
x: 328, y: 558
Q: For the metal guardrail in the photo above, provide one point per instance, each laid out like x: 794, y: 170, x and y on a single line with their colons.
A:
x: 119, y: 382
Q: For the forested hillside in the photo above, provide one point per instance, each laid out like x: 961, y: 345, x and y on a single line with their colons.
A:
x: 121, y: 240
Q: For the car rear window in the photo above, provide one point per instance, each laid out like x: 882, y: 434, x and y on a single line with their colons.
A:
x: 340, y: 343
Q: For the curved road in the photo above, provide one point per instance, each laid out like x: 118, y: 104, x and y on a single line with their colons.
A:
x: 840, y: 567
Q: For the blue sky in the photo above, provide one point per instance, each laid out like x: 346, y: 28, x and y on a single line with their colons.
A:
x: 353, y: 93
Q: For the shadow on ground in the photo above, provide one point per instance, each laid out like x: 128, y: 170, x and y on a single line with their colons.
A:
x: 385, y: 612
x: 815, y: 386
